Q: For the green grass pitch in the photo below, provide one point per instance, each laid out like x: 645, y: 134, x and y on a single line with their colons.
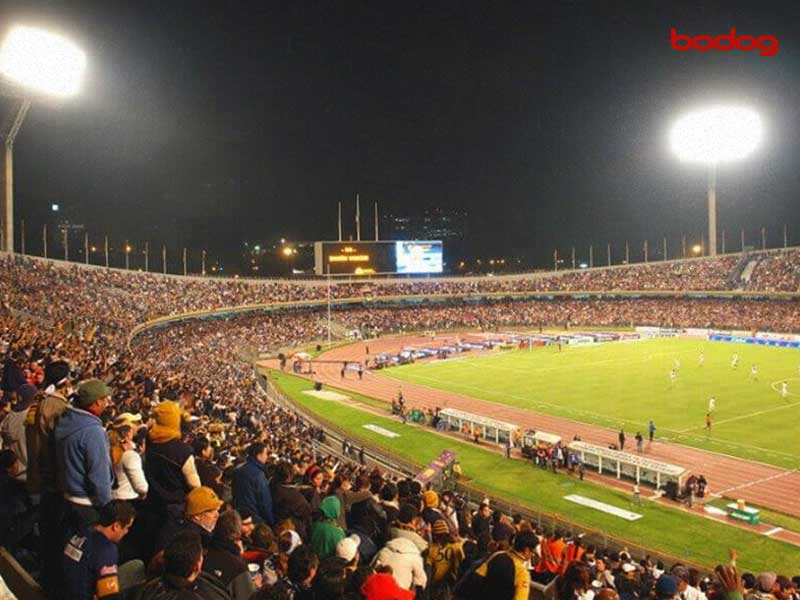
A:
x: 627, y: 384
x: 686, y: 537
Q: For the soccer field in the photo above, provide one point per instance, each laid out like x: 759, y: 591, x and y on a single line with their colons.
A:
x: 627, y: 384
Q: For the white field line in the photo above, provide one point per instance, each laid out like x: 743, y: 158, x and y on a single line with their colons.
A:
x: 756, y: 482
x: 747, y: 416
x: 773, y: 531
x: 600, y: 417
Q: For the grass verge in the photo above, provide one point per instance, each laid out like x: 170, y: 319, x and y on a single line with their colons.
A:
x: 663, y: 529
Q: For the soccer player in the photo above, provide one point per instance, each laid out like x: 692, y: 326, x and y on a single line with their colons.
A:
x: 712, y: 403
x: 673, y: 377
x: 785, y: 389
x: 754, y: 373
x: 701, y: 360
x: 735, y: 360
x: 677, y: 364
x: 708, y: 423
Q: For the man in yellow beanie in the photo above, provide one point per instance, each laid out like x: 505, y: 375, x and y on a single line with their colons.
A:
x: 202, y: 513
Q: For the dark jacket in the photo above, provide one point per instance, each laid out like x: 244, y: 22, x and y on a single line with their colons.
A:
x: 224, y: 562
x: 288, y: 502
x: 167, y: 587
x: 251, y: 491
x: 162, y: 467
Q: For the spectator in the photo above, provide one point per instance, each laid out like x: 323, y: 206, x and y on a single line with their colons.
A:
x: 224, y: 557
x: 444, y: 560
x: 84, y: 457
x: 405, y: 560
x: 325, y: 533
x: 169, y: 466
x: 131, y: 483
x: 383, y: 586
x: 251, y: 490
x: 12, y: 429
x: 183, y: 577
x: 506, y: 574
x: 406, y: 526
x: 16, y: 510
x: 90, y: 558
x: 289, y: 502
x: 302, y: 568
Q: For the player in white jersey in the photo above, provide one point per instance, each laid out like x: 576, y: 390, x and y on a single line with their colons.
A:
x: 701, y: 360
x: 785, y: 389
x: 734, y: 360
x: 673, y: 376
x: 712, y: 404
x: 754, y: 372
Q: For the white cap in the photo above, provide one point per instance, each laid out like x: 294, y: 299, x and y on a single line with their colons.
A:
x: 348, y: 547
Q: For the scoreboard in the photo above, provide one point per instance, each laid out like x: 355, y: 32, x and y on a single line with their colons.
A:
x: 371, y: 258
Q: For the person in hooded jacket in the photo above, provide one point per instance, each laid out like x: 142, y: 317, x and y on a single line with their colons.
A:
x: 84, y: 457
x: 403, y: 556
x: 325, y: 533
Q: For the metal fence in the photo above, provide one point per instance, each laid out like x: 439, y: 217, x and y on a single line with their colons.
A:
x: 384, y: 457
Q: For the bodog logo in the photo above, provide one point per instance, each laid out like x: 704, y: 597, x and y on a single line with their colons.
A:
x: 767, y: 44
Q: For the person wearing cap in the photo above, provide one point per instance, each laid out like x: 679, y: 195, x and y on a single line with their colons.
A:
x: 347, y: 550
x: 685, y: 587
x: 325, y: 533
x: 444, y: 559
x: 42, y: 472
x: 667, y: 587
x: 42, y: 476
x: 84, y: 456
x: 12, y: 429
x: 201, y: 516
x: 131, y: 483
x: 251, y: 491
x: 765, y: 588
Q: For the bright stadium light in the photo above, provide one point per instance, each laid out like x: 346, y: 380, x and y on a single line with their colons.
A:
x: 33, y: 63
x: 711, y: 136
x: 42, y: 61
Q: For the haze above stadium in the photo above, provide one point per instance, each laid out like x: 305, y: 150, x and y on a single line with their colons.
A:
x: 207, y: 125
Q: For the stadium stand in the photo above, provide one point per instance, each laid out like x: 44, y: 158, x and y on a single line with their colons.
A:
x: 111, y: 499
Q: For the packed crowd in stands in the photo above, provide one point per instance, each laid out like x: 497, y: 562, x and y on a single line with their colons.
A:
x: 119, y: 299
x: 776, y: 272
x: 161, y: 472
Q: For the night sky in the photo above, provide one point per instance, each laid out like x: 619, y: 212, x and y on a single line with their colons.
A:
x: 214, y: 123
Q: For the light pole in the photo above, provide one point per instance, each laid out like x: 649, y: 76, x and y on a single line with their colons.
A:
x: 712, y: 136
x: 33, y: 63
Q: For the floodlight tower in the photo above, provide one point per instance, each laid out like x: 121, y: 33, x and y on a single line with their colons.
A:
x: 712, y: 136
x: 33, y: 63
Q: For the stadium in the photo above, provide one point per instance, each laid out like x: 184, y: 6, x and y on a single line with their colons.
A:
x: 392, y: 423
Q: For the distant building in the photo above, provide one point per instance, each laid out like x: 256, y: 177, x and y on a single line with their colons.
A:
x: 447, y: 225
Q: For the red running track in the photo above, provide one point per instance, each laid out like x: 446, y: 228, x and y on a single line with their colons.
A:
x: 761, y: 484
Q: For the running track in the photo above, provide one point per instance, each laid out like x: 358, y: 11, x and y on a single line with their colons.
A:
x: 765, y: 485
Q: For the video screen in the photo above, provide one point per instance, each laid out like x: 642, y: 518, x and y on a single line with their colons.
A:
x: 418, y: 257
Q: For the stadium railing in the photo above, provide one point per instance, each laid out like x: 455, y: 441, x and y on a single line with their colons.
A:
x: 383, y: 456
